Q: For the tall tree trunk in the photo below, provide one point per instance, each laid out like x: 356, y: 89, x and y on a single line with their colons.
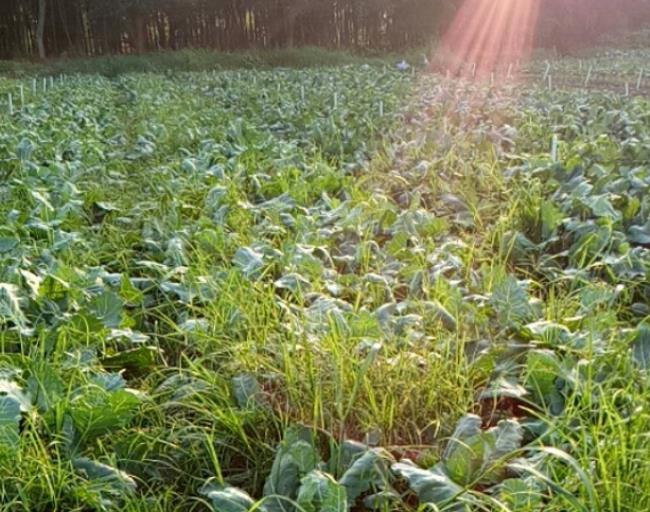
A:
x: 40, y: 28
x: 140, y: 35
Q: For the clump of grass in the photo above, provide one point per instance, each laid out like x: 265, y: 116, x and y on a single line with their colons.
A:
x: 191, y: 60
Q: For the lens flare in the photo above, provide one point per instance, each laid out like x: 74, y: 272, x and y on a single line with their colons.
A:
x: 489, y: 35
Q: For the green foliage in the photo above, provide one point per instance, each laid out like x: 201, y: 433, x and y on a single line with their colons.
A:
x: 226, y: 498
x: 9, y: 421
x: 641, y: 347
x: 432, y: 486
x: 319, y: 492
x: 196, y: 264
x: 367, y: 472
x: 295, y: 458
x: 193, y: 60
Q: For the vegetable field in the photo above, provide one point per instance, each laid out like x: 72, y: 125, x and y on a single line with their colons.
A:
x: 324, y: 290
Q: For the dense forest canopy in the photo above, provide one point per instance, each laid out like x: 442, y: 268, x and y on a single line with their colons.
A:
x: 93, y: 27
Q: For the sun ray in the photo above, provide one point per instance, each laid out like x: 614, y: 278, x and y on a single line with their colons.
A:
x: 498, y: 32
x: 465, y: 33
x: 481, y: 52
x: 488, y: 35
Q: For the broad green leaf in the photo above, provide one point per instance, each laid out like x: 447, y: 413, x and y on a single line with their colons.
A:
x: 24, y: 149
x: 41, y: 197
x: 370, y: 471
x: 249, y: 261
x: 520, y: 495
x: 525, y: 466
x: 107, y: 307
x: 106, y: 206
x: 465, y: 452
x: 96, y: 411
x: 45, y: 386
x: 296, y: 456
x: 7, y: 244
x: 431, y: 485
x: 548, y: 332
x: 293, y: 282
x: 475, y: 455
x: 112, y: 478
x: 10, y: 306
x: 9, y: 423
x: 247, y: 390
x: 541, y: 374
x: 641, y: 347
x: 503, y: 387
x: 342, y: 458
x: 319, y: 492
x: 132, y: 337
x: 175, y: 252
x: 128, y: 292
x: 640, y: 234
x: 33, y: 282
x: 109, y: 381
x: 518, y: 246
x: 551, y: 218
x: 511, y: 303
x: 138, y: 358
x: 188, y: 165
x: 381, y: 501
x: 441, y: 314
x: 13, y: 390
x: 503, y: 441
x: 216, y: 197
x: 225, y: 498
x: 601, y: 207
x: 467, y: 427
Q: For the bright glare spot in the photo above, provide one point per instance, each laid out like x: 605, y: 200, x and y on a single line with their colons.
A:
x: 489, y: 36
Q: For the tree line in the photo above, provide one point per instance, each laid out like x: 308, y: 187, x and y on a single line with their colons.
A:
x: 52, y: 28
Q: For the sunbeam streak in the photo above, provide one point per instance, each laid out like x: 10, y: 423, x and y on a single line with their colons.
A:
x: 488, y: 35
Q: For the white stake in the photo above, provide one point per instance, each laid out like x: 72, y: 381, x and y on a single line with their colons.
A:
x: 22, y: 97
x: 34, y: 86
x: 509, y: 70
x: 381, y: 108
x: 588, y: 76
x: 492, y: 78
x: 336, y: 101
x: 627, y: 89
x: 554, y: 148
x: 550, y: 82
x: 547, y: 70
x: 302, y: 93
x: 44, y: 84
x: 639, y: 80
x: 11, y: 105
x: 51, y: 82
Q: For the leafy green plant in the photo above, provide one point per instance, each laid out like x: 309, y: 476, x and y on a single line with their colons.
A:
x: 195, y: 264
